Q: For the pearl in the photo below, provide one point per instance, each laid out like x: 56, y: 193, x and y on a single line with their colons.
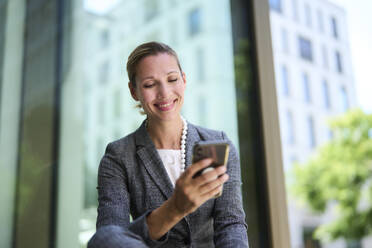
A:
x: 183, y: 145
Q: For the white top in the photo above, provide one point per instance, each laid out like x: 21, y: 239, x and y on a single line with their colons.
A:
x: 172, y: 162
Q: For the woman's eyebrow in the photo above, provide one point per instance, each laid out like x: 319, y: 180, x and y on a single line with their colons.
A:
x: 148, y: 77
x: 172, y: 72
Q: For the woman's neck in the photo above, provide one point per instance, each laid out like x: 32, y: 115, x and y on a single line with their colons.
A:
x: 165, y: 134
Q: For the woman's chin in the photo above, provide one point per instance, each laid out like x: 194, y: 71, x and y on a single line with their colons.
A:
x: 165, y: 116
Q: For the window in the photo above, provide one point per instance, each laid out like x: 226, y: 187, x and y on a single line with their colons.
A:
x: 320, y: 21
x: 295, y: 9
x: 200, y: 64
x: 290, y: 128
x: 338, y: 60
x: 344, y: 99
x: 307, y: 9
x: 306, y: 88
x: 326, y: 99
x: 101, y: 112
x: 334, y: 27
x: 151, y: 9
x: 325, y: 56
x: 117, y: 104
x: 105, y: 38
x: 311, y: 131
x: 100, y: 149
x: 173, y: 35
x: 284, y: 35
x: 285, y: 81
x: 103, y: 72
x: 203, y: 109
x: 173, y: 3
x: 194, y: 22
x: 306, y: 50
x: 276, y: 5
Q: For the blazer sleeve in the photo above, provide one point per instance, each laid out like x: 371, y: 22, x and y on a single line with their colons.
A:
x: 114, y: 199
x: 230, y: 229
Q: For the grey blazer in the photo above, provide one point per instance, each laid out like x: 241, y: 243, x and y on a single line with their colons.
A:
x: 132, y: 180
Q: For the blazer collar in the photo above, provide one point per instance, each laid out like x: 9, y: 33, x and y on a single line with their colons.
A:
x: 149, y: 156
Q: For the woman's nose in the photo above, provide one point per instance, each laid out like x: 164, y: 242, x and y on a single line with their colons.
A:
x: 163, y: 91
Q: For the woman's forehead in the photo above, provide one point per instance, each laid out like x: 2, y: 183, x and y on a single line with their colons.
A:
x: 159, y: 64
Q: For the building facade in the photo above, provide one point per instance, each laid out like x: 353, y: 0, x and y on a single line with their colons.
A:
x: 314, y: 80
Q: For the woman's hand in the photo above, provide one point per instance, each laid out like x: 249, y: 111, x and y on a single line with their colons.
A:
x: 190, y: 193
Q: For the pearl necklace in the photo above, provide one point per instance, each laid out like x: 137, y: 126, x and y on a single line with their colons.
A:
x: 183, y: 143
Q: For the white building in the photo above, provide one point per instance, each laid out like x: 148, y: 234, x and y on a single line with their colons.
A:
x: 314, y: 79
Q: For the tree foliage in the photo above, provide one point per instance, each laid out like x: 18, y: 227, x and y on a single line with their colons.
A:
x: 339, y: 176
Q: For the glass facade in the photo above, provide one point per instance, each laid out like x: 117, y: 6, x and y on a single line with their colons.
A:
x: 64, y: 97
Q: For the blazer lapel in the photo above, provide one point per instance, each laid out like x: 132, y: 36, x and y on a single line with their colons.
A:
x: 149, y: 156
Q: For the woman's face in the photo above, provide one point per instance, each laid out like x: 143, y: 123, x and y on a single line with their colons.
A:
x: 160, y: 87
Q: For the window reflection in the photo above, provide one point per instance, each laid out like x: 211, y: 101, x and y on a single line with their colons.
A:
x: 106, y: 39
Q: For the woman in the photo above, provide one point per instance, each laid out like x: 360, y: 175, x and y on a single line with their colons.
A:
x: 170, y: 208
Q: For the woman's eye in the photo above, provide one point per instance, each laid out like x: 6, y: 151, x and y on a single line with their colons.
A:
x: 148, y: 85
x: 172, y: 79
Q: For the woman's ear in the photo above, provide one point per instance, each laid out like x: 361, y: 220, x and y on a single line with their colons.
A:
x: 184, y: 77
x: 132, y: 91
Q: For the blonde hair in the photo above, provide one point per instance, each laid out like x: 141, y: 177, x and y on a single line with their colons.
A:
x: 144, y: 50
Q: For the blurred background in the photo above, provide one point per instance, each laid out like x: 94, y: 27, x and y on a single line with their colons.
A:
x: 64, y: 97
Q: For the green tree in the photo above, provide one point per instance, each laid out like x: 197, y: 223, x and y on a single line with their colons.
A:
x: 339, y: 176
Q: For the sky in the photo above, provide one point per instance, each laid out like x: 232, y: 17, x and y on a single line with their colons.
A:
x: 359, y: 19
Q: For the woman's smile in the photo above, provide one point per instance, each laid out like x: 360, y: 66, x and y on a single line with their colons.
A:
x: 166, y: 106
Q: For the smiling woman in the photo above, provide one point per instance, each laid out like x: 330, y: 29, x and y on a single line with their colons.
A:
x: 169, y: 209
x: 157, y: 81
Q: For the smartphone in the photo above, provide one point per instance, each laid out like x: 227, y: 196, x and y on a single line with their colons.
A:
x: 218, y: 151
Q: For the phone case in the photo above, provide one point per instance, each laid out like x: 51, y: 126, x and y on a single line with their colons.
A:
x: 217, y: 151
